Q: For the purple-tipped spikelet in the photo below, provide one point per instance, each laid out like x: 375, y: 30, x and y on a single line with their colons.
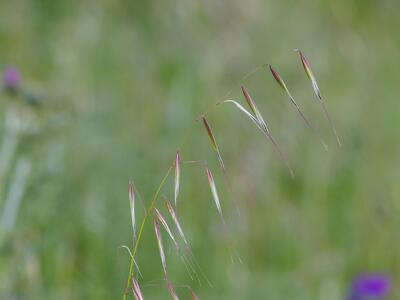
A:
x: 310, y: 75
x: 254, y: 109
x: 137, y: 293
x: 317, y: 92
x: 214, y: 142
x: 160, y: 246
x: 177, y: 176
x: 278, y: 79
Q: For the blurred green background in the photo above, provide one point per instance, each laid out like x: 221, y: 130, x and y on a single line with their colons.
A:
x: 123, y: 83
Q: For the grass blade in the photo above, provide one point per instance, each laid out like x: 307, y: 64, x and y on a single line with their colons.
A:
x: 317, y: 92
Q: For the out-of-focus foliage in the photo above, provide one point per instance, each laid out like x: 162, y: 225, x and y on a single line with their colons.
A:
x: 123, y: 83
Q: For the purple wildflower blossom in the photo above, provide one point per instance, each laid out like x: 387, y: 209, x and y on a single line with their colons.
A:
x: 370, y: 286
x: 11, y: 78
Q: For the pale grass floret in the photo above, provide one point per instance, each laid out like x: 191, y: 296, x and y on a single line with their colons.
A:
x: 177, y: 176
x: 132, y: 200
x: 160, y: 246
x: 214, y: 193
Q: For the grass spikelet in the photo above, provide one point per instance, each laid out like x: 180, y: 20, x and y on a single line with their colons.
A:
x: 137, y: 293
x: 282, y: 83
x: 254, y: 109
x: 214, y: 193
x: 187, y: 245
x: 164, y: 223
x: 190, y: 269
x: 171, y: 291
x: 131, y: 193
x: 160, y: 246
x: 258, y: 120
x: 176, y: 221
x: 317, y: 92
x: 214, y: 142
x: 177, y: 176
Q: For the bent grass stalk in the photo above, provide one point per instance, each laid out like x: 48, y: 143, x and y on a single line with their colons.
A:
x: 260, y: 123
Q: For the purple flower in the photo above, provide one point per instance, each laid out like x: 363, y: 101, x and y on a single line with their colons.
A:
x: 370, y: 286
x: 11, y: 78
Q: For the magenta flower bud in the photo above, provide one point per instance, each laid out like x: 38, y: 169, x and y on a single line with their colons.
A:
x: 11, y: 78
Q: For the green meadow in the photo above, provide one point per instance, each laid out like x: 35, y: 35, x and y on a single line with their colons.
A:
x: 110, y: 90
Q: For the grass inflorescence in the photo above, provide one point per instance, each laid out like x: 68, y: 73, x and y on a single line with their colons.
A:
x: 159, y: 220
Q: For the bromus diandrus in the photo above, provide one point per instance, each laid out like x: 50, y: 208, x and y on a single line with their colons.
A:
x: 171, y: 224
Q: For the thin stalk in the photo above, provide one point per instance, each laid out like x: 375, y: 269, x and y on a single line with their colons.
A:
x: 147, y: 214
